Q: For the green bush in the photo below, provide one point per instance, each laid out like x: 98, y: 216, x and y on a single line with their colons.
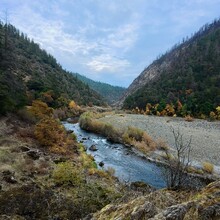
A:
x: 67, y: 174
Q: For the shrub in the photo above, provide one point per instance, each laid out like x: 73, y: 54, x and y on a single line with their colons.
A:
x: 151, y: 145
x: 139, y: 139
x: 212, y: 116
x: 178, y: 163
x: 51, y: 134
x: 85, y: 120
x: 208, y: 167
x: 189, y: 118
x: 161, y: 145
x: 87, y: 161
x: 67, y: 174
x: 26, y: 115
x: 141, y: 146
x: 110, y: 132
x: 40, y: 109
x: 88, y: 122
x: 134, y: 133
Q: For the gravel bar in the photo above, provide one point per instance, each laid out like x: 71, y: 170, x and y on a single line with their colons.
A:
x: 205, y: 135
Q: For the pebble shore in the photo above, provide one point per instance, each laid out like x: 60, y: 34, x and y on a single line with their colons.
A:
x: 205, y: 135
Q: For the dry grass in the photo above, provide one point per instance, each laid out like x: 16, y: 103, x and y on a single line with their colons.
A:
x: 208, y: 167
x: 192, y: 169
x: 162, y: 145
x: 132, y: 136
x: 189, y: 118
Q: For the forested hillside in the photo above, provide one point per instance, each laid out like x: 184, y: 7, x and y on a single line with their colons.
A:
x: 109, y: 92
x: 28, y: 72
x: 187, y: 77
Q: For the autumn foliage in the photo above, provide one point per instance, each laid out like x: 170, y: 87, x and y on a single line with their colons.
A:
x: 51, y: 134
x: 48, y: 131
x: 40, y: 109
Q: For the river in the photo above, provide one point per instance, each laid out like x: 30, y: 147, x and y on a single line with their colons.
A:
x: 128, y: 166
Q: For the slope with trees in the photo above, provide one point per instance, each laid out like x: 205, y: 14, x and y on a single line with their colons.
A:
x: 28, y: 72
x: 189, y: 74
x: 110, y: 93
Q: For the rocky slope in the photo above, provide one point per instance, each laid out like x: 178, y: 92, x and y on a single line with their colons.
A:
x: 36, y: 183
x: 152, y: 72
x: 167, y: 205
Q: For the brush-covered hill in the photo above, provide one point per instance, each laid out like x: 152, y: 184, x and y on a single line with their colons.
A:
x: 27, y: 72
x: 188, y: 74
x: 110, y: 93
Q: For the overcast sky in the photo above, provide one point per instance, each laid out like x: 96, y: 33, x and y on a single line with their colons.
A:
x: 108, y: 40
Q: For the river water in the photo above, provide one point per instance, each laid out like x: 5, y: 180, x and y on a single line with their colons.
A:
x: 128, y: 166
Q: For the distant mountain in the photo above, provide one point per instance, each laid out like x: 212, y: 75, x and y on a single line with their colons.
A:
x: 109, y: 92
x: 189, y: 73
x: 28, y: 72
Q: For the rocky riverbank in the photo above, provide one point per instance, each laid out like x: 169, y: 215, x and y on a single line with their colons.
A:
x: 205, y: 135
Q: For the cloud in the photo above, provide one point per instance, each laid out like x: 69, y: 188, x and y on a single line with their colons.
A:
x: 108, y: 63
x: 105, y: 38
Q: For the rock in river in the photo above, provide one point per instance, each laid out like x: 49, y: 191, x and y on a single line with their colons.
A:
x: 93, y: 148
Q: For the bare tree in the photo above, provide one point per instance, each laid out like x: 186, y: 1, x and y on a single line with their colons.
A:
x: 178, y: 162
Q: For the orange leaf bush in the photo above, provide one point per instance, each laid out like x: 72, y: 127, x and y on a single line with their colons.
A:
x: 51, y: 134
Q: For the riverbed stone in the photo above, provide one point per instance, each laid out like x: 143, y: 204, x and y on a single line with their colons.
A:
x: 93, y: 148
x: 101, y: 164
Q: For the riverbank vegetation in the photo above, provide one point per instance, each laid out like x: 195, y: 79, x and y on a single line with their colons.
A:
x: 130, y: 136
x: 48, y: 173
x: 175, y: 110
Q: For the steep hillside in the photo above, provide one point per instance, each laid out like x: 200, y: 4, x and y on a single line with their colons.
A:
x: 109, y: 92
x: 26, y: 72
x: 189, y: 73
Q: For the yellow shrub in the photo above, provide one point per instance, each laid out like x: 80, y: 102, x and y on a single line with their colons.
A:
x: 208, y: 167
x: 189, y: 118
x: 40, y: 109
x: 50, y: 133
x: 67, y: 174
x: 72, y: 104
x: 212, y: 115
x: 170, y: 110
x: 140, y: 139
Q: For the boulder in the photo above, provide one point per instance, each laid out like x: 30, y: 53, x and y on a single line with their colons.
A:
x: 8, y: 177
x: 101, y: 164
x: 141, y: 187
x: 145, y: 211
x: 33, y: 154
x: 177, y: 212
x: 93, y: 148
x: 24, y: 148
x: 210, y: 212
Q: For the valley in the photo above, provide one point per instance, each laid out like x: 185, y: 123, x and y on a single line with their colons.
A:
x: 79, y: 149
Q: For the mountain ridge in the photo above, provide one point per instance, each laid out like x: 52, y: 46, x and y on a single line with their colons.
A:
x: 32, y: 71
x: 109, y: 92
x: 194, y: 56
